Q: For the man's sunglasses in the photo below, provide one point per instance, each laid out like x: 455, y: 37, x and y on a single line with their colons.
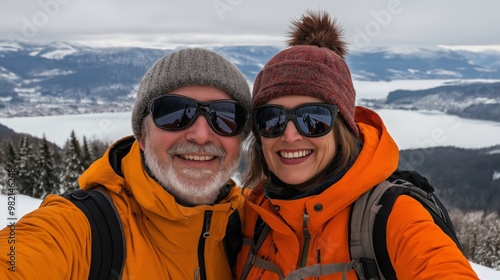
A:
x: 175, y: 112
x: 310, y: 119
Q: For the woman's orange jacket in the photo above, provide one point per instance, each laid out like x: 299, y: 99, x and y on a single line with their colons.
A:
x: 418, y: 248
x: 162, y: 237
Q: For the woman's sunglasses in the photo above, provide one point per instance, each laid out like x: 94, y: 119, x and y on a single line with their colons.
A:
x: 310, y: 119
x: 175, y: 112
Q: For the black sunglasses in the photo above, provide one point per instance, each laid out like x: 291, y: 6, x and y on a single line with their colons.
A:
x: 175, y: 112
x: 310, y: 119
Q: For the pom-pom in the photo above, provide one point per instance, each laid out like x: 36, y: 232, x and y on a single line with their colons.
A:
x: 318, y: 29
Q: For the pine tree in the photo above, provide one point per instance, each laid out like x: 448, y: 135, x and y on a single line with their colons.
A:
x: 3, y: 173
x: 98, y: 149
x: 49, y: 181
x: 10, y: 163
x: 487, y: 252
x: 72, y: 164
x: 27, y: 177
x: 87, y: 158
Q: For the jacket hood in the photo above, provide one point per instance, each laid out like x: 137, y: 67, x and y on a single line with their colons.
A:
x: 106, y: 171
x: 377, y: 160
x: 120, y: 170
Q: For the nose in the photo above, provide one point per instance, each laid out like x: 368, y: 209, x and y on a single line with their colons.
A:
x: 291, y: 134
x: 200, y: 131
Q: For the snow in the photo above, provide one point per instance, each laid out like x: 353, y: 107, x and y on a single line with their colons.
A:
x: 6, y: 74
x: 23, y: 205
x: 103, y: 126
x: 473, y: 48
x: 486, y: 273
x: 53, y: 72
x: 423, y: 129
x: 443, y: 72
x: 26, y: 204
x: 379, y: 90
x: 57, y: 50
x: 6, y: 46
x: 58, y: 54
x: 496, y: 175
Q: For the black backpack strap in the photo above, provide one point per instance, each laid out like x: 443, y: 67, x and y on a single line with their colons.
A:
x: 421, y: 190
x: 108, y: 243
x: 261, y: 230
x: 380, y: 231
x: 423, y: 193
x: 233, y: 240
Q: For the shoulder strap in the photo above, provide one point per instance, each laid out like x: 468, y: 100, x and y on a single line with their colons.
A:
x: 430, y: 202
x: 369, y: 222
x: 363, y: 215
x: 435, y: 207
x: 261, y: 230
x: 233, y: 239
x: 108, y: 243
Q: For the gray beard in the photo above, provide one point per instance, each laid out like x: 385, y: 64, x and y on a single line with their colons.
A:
x: 190, y: 186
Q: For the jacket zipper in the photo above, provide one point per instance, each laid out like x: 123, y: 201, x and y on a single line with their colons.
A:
x: 307, y: 239
x: 205, y: 233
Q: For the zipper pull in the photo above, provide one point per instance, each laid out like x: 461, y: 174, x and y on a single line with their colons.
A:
x: 197, y: 274
x: 207, y: 221
x: 307, y: 239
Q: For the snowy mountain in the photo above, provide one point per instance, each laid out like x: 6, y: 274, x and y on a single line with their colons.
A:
x: 398, y: 63
x: 65, y: 78
x: 477, y: 100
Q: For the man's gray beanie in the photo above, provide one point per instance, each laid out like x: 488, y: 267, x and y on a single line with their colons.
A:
x: 190, y: 67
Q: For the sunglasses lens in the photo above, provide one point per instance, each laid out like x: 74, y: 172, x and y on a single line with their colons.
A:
x: 177, y: 112
x: 311, y: 120
x: 173, y: 113
x: 227, y: 118
x: 270, y: 121
x: 314, y: 120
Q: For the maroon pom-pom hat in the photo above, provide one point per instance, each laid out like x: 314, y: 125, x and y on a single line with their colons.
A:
x: 309, y: 71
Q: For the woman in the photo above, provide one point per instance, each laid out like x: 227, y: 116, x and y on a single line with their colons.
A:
x: 313, y: 155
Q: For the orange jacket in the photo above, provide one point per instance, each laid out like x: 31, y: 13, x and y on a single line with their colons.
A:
x: 162, y: 237
x: 417, y: 247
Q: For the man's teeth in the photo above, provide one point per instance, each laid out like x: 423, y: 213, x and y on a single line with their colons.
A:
x: 197, y: 158
x: 298, y: 154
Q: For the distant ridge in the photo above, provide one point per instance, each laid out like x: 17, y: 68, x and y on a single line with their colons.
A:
x: 64, y: 78
x: 467, y: 100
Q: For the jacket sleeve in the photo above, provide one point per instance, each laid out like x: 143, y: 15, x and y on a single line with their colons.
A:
x: 52, y: 242
x: 419, y: 249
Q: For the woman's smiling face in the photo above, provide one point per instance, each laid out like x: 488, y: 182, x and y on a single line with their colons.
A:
x: 293, y: 157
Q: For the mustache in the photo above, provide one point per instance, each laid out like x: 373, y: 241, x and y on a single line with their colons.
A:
x: 190, y: 148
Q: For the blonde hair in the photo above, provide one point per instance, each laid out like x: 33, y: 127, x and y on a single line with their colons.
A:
x: 348, y: 148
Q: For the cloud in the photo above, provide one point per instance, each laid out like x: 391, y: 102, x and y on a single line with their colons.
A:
x: 381, y: 22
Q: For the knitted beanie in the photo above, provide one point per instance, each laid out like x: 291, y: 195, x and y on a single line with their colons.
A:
x: 190, y: 67
x: 313, y: 65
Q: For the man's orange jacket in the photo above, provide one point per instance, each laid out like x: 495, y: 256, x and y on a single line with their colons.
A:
x: 164, y: 240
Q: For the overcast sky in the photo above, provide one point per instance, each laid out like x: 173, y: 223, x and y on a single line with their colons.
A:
x: 167, y: 23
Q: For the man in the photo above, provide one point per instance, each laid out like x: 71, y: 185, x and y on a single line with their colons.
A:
x: 170, y: 182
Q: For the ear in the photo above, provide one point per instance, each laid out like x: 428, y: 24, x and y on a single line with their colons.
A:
x: 142, y: 142
x: 144, y: 131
